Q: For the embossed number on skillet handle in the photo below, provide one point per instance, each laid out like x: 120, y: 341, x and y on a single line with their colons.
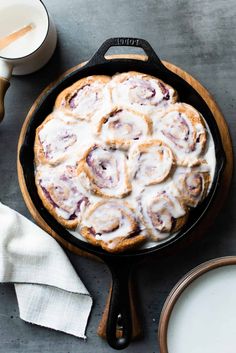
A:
x: 99, y: 56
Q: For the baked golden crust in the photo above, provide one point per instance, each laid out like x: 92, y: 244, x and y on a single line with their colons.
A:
x: 39, y: 154
x: 61, y: 194
x: 51, y: 206
x: 193, y: 184
x: 121, y: 246
x: 107, y: 217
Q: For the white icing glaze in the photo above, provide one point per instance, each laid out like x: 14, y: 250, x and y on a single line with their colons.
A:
x: 91, y: 100
x: 56, y: 139
x: 181, y: 135
x: 140, y: 94
x: 124, y: 126
x: 161, y: 200
x: 117, y: 221
x: 191, y: 183
x: 209, y: 154
x: 62, y: 185
x: 151, y: 164
x: 86, y: 136
x: 106, y: 170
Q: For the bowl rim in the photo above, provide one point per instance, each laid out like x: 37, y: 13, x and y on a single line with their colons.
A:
x: 180, y: 287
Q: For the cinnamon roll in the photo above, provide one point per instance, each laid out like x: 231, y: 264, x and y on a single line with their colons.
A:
x: 120, y: 162
x: 193, y: 184
x: 103, y: 171
x: 53, y: 141
x: 162, y: 212
x: 141, y: 91
x: 183, y: 128
x: 85, y: 97
x: 150, y: 162
x: 61, y: 194
x: 111, y: 225
x: 122, y: 126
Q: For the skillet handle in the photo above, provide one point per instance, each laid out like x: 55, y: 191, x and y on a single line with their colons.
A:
x: 99, y: 56
x: 119, y: 315
x: 136, y: 324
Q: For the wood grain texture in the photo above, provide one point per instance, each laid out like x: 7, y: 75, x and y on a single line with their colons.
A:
x: 136, y: 324
x: 209, y: 218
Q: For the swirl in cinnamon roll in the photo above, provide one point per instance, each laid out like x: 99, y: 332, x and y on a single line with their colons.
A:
x: 53, y: 141
x: 141, y: 91
x: 183, y: 128
x: 162, y: 212
x: 122, y: 126
x: 103, y: 171
x: 85, y: 97
x: 192, y: 184
x: 112, y: 225
x: 150, y: 162
x: 61, y: 194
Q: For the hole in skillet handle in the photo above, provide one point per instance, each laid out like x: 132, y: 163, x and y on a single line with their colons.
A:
x: 99, y: 56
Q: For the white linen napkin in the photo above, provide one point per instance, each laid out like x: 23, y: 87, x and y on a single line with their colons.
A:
x: 49, y: 292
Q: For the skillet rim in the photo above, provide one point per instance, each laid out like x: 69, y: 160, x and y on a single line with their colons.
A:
x: 201, y: 209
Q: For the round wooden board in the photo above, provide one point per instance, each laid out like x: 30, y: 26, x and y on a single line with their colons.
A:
x: 208, y: 219
x: 225, y: 136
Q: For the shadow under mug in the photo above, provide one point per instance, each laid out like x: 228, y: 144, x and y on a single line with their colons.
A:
x: 38, y: 49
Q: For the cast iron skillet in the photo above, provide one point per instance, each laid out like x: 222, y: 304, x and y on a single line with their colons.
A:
x: 120, y: 265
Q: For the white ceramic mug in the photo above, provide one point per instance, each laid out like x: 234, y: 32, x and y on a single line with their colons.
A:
x: 31, y: 51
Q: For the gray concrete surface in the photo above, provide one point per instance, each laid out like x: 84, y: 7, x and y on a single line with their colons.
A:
x: 197, y: 35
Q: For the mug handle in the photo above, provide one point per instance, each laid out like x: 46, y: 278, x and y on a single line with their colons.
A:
x: 5, y: 75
